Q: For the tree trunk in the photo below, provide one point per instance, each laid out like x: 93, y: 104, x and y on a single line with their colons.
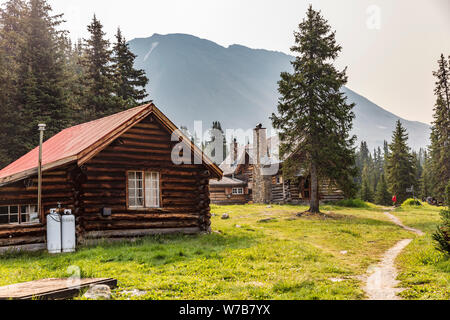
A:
x: 314, y: 202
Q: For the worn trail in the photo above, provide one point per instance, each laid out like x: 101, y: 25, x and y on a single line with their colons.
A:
x: 381, y: 283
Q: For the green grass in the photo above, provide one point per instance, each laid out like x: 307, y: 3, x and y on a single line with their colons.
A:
x: 425, y: 272
x: 287, y: 257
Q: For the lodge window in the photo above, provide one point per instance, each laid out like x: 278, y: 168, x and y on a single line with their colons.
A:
x: 19, y: 214
x: 238, y: 190
x: 143, y: 189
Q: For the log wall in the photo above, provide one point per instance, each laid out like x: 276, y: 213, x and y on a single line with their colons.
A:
x: 55, y: 188
x: 184, y: 188
x: 102, y: 183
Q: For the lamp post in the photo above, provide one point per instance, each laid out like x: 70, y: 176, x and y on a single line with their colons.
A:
x: 41, y: 128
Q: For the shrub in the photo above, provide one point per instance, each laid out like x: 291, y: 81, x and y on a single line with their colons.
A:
x: 352, y: 203
x: 442, y: 234
x: 411, y: 202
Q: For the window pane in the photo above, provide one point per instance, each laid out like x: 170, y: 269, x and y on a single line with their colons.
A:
x: 152, y: 189
x: 3, y: 210
x: 135, y: 192
x: 4, y: 219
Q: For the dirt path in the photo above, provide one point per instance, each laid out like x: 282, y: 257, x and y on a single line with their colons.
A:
x: 381, y: 282
x: 397, y: 221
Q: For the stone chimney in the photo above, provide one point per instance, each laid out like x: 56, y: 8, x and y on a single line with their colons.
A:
x: 262, y: 185
x: 234, y: 150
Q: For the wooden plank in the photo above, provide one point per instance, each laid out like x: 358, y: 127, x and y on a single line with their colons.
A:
x: 50, y: 289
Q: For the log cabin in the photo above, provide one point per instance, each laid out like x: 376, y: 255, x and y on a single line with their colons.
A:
x: 118, y: 176
x: 243, y: 164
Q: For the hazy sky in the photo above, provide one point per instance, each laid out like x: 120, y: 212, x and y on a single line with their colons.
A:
x: 390, y: 46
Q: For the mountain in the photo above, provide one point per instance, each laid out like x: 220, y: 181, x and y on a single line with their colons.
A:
x: 196, y: 79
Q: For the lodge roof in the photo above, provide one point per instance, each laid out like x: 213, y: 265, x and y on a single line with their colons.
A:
x: 82, y: 142
x: 226, y: 181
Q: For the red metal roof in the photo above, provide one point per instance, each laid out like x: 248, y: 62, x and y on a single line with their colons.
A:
x: 66, y: 145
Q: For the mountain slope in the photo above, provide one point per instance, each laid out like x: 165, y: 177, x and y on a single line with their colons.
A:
x: 195, y: 79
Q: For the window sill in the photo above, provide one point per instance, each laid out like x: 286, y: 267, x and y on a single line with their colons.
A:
x: 144, y: 209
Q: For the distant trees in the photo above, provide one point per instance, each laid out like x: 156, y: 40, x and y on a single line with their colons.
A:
x: 313, y: 115
x: 46, y: 78
x: 216, y: 147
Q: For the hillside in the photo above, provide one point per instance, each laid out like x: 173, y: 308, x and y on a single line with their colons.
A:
x: 197, y: 79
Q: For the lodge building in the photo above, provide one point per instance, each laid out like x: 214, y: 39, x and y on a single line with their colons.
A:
x: 117, y: 176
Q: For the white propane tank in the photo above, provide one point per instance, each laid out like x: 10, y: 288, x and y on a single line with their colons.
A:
x: 68, y: 231
x: 53, y: 232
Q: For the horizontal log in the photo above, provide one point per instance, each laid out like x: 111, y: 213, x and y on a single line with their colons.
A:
x: 143, y: 217
x: 118, y: 225
x: 21, y: 240
x: 19, y: 230
x: 138, y: 232
x: 185, y: 209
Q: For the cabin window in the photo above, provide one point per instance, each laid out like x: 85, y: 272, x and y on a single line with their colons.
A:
x: 18, y: 214
x: 238, y: 190
x: 143, y: 189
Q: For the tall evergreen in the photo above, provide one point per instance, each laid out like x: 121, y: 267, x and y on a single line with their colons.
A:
x: 382, y: 195
x: 313, y: 115
x: 100, y: 99
x: 426, y: 185
x: 366, y: 191
x: 400, y: 169
x: 44, y: 97
x: 440, y: 132
x: 129, y: 82
x: 12, y: 41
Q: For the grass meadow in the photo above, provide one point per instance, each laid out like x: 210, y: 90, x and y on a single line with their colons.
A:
x: 261, y: 252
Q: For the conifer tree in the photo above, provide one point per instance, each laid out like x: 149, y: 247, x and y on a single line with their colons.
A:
x: 440, y: 131
x: 43, y: 95
x: 100, y: 98
x: 400, y: 170
x: 382, y: 196
x: 366, y: 191
x: 130, y: 82
x: 313, y: 115
x: 12, y: 41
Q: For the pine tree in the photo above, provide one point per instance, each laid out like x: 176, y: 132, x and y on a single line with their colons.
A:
x: 382, y: 196
x: 100, y: 98
x: 366, y: 191
x: 130, y: 82
x: 400, y: 171
x: 43, y: 95
x: 313, y: 115
x: 440, y: 131
x: 12, y: 41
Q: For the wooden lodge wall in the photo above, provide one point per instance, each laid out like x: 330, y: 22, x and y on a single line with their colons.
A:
x: 102, y: 183
x: 222, y: 195
x: 184, y: 188
x: 56, y: 187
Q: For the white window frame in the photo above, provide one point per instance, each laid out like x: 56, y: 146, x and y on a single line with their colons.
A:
x: 149, y: 190
x: 238, y: 191
x: 20, y: 214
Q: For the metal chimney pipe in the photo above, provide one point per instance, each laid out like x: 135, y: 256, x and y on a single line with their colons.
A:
x: 41, y: 128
